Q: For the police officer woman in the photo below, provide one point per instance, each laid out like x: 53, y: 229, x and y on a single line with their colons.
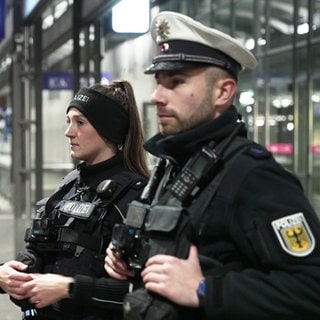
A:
x: 68, y: 238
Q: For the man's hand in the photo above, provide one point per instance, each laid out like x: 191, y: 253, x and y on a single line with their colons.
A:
x: 173, y: 278
x: 115, y: 266
x: 46, y: 289
x: 12, y: 276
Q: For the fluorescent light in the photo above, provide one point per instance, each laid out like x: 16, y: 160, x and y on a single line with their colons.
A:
x: 303, y: 28
x: 130, y: 16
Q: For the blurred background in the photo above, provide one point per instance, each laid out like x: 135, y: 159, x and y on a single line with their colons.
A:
x: 51, y: 48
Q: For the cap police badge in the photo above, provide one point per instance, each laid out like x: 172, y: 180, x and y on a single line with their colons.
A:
x: 294, y: 234
x: 184, y: 42
x: 162, y: 29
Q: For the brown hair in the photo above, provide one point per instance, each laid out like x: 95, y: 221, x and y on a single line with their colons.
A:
x: 122, y: 92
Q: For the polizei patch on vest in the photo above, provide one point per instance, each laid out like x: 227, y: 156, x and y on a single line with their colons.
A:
x: 77, y: 209
x: 294, y: 234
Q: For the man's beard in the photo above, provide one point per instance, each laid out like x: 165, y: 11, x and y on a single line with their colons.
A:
x: 203, y: 114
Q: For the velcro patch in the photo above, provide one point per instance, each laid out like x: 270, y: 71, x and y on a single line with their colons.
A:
x: 294, y: 234
x: 77, y: 209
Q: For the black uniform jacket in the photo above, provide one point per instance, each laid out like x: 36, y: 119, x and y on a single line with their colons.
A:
x: 259, y: 225
x: 94, y: 294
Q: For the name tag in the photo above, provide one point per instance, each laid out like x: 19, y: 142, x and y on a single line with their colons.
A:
x: 77, y: 209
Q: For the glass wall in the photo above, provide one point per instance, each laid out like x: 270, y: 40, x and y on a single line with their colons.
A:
x: 280, y: 100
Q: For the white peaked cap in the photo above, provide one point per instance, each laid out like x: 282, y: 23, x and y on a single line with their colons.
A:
x: 184, y: 42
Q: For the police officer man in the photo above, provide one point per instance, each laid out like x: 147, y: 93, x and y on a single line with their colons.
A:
x: 254, y: 247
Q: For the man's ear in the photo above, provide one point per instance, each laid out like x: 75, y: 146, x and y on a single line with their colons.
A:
x: 226, y: 89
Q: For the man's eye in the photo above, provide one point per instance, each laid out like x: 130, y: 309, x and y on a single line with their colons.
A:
x: 175, y: 82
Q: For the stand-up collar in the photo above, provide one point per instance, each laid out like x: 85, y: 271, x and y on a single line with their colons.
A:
x: 179, y: 147
x: 91, y: 175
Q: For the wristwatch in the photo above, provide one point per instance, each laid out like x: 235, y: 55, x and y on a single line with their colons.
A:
x: 201, y: 292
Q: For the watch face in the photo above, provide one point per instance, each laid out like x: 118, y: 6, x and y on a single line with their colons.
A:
x: 201, y: 291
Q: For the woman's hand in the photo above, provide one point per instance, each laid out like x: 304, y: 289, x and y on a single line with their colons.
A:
x: 115, y: 266
x: 12, y: 277
x: 46, y: 289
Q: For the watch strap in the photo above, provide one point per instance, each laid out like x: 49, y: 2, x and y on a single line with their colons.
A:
x: 201, y: 292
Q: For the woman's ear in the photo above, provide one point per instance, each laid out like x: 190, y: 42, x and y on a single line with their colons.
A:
x: 226, y: 89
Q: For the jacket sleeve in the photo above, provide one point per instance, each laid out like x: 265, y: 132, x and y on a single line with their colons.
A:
x: 277, y: 233
x: 102, y: 293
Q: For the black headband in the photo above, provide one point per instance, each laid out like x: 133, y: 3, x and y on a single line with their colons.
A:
x: 107, y: 116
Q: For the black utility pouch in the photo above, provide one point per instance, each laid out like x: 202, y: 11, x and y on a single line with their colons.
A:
x: 143, y: 305
x: 169, y: 230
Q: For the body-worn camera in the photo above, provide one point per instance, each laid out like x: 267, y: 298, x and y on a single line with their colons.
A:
x: 130, y: 239
x: 43, y: 228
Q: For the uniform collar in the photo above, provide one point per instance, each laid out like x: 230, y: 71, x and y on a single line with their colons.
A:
x: 91, y: 175
x: 179, y: 147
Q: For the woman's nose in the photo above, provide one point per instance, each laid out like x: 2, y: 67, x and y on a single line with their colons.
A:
x: 69, y: 132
